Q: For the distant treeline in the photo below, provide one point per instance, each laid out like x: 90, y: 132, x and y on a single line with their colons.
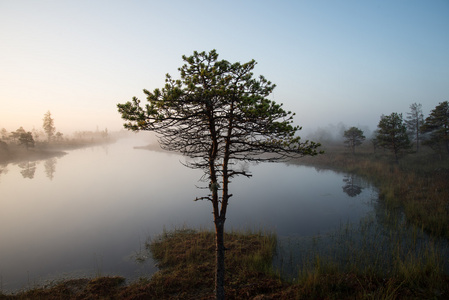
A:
x: 397, y: 134
x: 31, y: 138
x: 47, y: 134
x: 17, y: 144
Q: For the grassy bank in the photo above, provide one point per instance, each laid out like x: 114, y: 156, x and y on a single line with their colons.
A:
x: 418, y: 184
x: 186, y: 259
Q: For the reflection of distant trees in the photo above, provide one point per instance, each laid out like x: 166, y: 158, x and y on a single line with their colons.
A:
x: 28, y: 169
x: 50, y: 167
x: 3, y: 169
x: 353, y: 185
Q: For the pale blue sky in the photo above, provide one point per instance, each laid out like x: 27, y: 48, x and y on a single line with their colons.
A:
x: 332, y: 61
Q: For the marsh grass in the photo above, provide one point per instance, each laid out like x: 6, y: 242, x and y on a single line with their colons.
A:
x: 186, y: 254
x: 418, y: 184
x: 186, y: 259
x: 370, y: 262
x: 98, y: 264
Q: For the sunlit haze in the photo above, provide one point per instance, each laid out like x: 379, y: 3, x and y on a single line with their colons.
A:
x: 332, y: 61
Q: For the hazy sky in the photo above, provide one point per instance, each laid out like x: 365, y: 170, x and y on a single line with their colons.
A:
x: 332, y: 61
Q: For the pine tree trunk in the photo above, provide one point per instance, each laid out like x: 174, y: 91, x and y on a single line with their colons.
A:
x: 220, y: 260
x: 417, y: 140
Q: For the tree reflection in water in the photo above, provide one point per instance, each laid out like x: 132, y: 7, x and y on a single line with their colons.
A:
x: 28, y: 169
x: 50, y: 167
x: 353, y: 185
x: 3, y: 169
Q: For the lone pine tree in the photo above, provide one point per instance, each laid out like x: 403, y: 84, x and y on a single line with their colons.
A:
x: 217, y: 114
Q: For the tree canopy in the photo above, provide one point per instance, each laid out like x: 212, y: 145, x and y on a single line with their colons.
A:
x: 437, y: 126
x: 26, y: 139
x: 392, y: 134
x: 218, y: 115
x: 49, y: 125
x: 353, y: 137
x: 15, y: 135
x: 414, y: 122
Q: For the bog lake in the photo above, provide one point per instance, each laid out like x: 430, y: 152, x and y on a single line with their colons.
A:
x: 89, y: 212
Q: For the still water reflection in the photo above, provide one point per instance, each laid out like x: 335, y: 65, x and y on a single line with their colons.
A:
x: 28, y: 169
x: 353, y: 185
x: 88, y: 212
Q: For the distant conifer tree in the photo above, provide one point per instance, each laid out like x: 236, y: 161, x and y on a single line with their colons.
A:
x: 392, y: 134
x: 49, y: 125
x: 353, y: 137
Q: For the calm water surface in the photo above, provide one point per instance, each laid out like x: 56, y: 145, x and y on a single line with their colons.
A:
x: 88, y: 212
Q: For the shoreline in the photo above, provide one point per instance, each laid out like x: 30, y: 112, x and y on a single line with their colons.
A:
x: 16, y: 154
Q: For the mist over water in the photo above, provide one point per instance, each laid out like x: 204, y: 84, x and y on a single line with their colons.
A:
x: 88, y: 212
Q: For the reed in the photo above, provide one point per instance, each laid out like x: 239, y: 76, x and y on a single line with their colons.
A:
x: 368, y: 261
